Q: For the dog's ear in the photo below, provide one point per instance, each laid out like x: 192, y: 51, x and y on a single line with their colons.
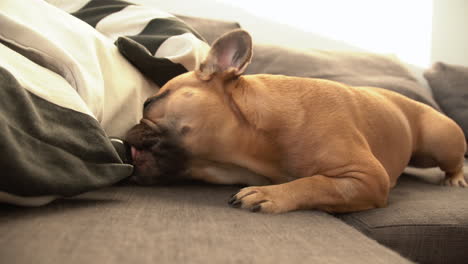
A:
x: 229, y: 56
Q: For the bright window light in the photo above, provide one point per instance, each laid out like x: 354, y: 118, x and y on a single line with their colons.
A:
x: 400, y: 27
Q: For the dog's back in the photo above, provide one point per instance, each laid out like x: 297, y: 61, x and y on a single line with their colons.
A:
x: 321, y: 124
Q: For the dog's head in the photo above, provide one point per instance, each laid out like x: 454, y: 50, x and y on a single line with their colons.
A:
x: 192, y: 116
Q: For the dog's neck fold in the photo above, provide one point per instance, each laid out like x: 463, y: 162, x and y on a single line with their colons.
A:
x: 246, y: 102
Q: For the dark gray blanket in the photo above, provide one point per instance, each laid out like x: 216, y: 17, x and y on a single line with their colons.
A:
x: 48, y: 149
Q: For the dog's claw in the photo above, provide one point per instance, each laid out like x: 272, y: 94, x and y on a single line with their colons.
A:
x: 236, y: 204
x: 255, y: 199
x: 232, y: 200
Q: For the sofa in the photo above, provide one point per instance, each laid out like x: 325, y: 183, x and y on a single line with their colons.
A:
x: 191, y: 222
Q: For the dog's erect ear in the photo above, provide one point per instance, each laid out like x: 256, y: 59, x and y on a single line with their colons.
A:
x: 229, y: 56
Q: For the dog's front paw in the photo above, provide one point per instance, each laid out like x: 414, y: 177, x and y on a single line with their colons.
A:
x: 263, y: 199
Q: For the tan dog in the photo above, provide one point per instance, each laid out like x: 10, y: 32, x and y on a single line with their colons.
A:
x: 321, y: 144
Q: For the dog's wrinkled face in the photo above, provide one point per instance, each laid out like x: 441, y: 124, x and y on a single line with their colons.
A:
x: 155, y: 153
x: 191, y: 116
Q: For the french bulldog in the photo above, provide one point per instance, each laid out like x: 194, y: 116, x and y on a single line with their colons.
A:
x: 299, y: 143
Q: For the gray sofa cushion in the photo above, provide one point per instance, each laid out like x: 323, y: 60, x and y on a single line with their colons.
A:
x: 352, y: 68
x: 423, y: 221
x: 449, y: 84
x: 176, y: 224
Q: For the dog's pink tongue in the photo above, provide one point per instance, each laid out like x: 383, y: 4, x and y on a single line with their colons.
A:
x: 134, y: 153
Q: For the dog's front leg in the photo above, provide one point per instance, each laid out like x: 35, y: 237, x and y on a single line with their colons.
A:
x: 345, y: 193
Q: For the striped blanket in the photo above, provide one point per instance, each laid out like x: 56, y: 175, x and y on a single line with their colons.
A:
x: 72, y: 74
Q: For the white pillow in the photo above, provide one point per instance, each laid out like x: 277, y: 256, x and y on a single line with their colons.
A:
x: 111, y: 87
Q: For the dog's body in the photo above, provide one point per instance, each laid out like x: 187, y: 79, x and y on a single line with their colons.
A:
x: 321, y: 144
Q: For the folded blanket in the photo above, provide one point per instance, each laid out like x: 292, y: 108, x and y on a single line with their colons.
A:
x: 48, y: 150
x: 66, y: 87
x: 160, y: 45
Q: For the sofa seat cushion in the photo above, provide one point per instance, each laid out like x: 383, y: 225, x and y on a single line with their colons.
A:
x: 425, y: 222
x: 176, y: 224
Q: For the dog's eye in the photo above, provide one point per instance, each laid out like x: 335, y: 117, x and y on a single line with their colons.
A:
x: 147, y: 102
x: 151, y: 100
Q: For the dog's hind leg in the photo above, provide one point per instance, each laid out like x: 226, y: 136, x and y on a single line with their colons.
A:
x: 348, y: 192
x: 443, y: 141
